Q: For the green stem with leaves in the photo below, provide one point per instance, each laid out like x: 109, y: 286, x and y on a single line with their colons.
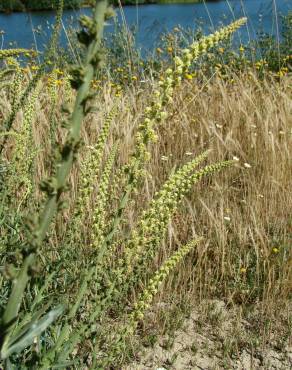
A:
x: 90, y: 35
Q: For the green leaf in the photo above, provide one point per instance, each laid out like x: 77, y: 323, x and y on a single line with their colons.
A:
x: 28, y: 320
x: 16, y: 345
x: 64, y: 365
x: 9, y: 366
x: 19, y: 285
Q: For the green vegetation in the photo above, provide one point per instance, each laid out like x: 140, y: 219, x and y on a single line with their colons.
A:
x: 98, y: 204
x: 24, y: 5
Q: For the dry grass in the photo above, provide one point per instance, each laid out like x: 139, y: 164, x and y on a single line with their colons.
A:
x: 252, y: 121
x: 248, y: 119
x: 244, y: 213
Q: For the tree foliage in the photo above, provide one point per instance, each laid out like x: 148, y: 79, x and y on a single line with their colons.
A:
x: 21, y: 5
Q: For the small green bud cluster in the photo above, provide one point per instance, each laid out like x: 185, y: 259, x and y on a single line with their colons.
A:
x: 200, y: 47
x: 6, y: 53
x: 88, y: 29
x: 23, y: 156
x: 99, y: 216
x: 144, y: 301
x: 90, y: 169
x: 52, y: 87
x: 163, y: 94
x: 146, y: 297
x: 91, y: 29
x: 67, y: 89
x: 151, y: 228
x: 16, y: 87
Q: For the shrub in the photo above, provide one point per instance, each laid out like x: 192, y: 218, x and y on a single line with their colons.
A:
x: 10, y: 5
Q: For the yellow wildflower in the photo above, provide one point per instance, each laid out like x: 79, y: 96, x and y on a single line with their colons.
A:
x: 58, y: 71
x: 58, y: 82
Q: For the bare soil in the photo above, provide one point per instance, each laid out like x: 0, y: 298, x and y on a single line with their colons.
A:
x: 223, y: 342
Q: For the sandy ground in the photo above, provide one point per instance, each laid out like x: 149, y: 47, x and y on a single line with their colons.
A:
x: 210, y: 347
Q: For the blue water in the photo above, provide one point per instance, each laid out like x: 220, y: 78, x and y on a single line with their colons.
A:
x: 152, y: 20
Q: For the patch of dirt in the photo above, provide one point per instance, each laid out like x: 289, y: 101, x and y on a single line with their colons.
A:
x: 224, y: 341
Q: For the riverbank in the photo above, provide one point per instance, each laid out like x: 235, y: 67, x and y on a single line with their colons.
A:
x: 9, y: 6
